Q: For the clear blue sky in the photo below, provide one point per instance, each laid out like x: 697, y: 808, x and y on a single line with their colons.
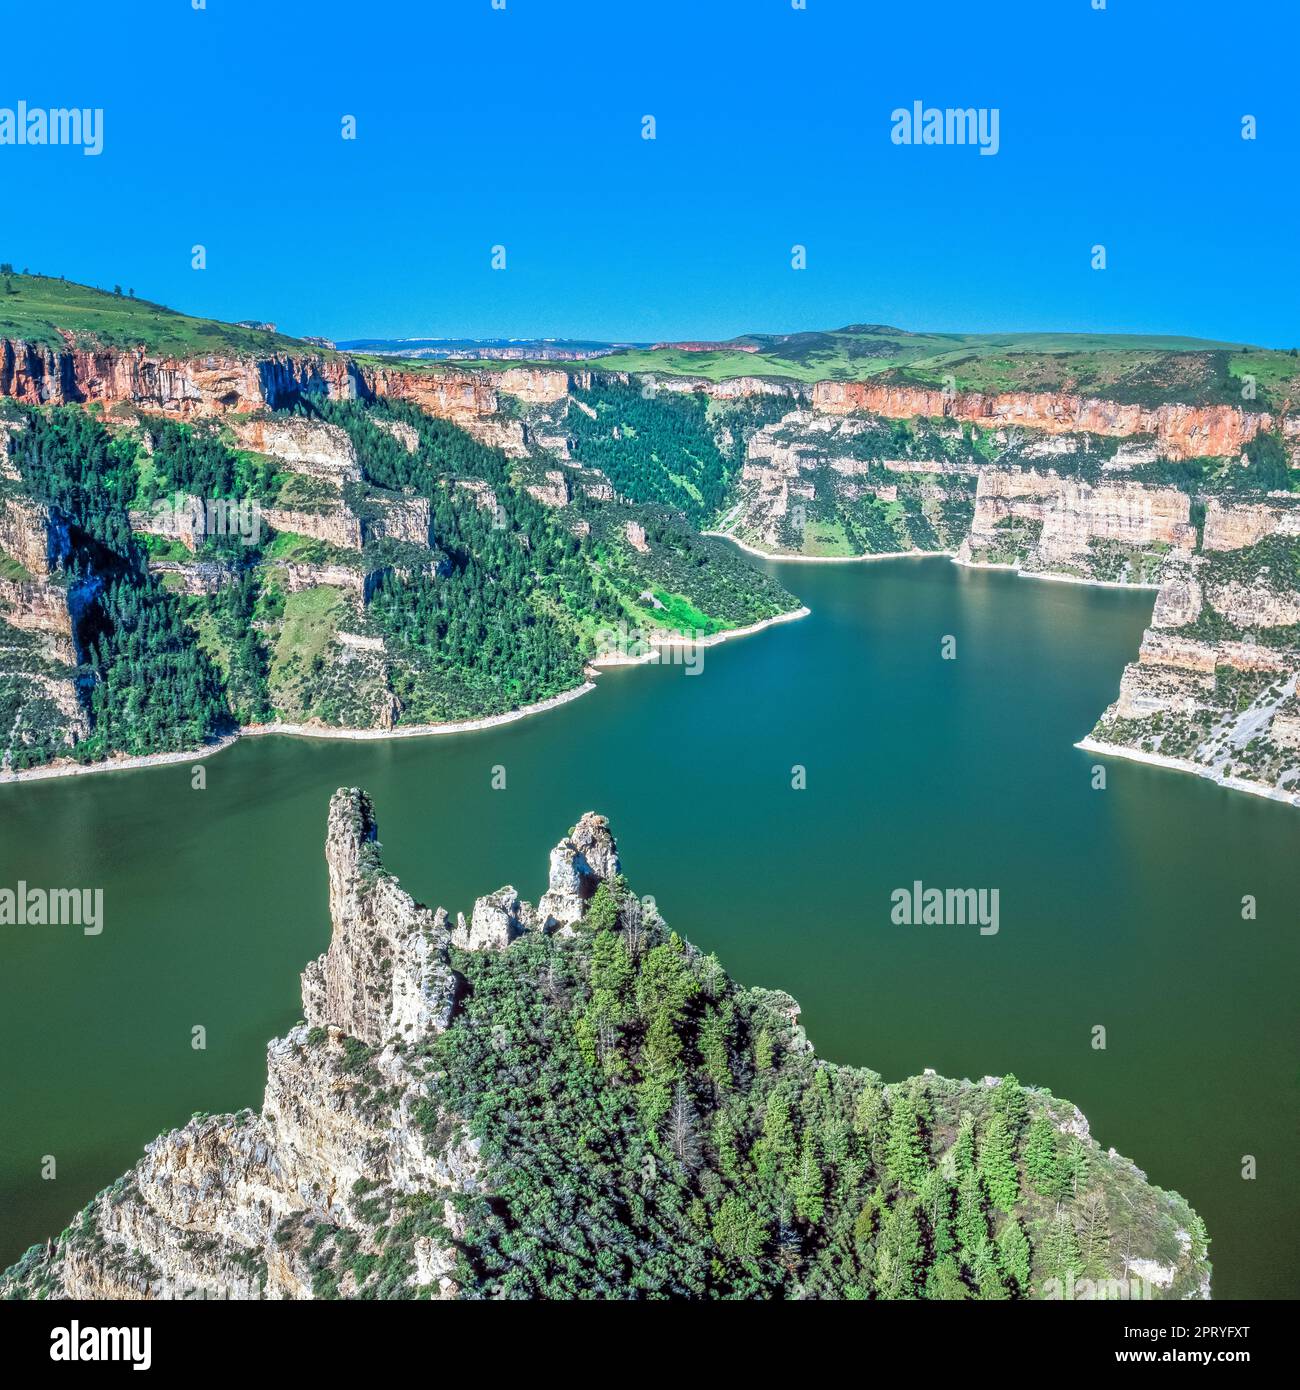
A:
x: 522, y: 127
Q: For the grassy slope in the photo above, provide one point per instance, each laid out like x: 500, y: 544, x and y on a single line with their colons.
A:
x: 37, y: 309
x: 858, y: 352
x: 41, y: 310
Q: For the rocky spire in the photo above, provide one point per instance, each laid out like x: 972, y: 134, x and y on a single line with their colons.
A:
x: 580, y: 863
x: 386, y: 970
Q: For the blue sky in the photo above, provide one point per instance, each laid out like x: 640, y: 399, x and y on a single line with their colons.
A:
x: 522, y: 127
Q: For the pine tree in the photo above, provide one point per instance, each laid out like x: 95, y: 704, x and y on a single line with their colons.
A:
x: 906, y: 1158
x: 936, y: 1206
x: 775, y: 1151
x: 715, y: 1045
x: 1075, y: 1167
x: 997, y: 1164
x: 989, y: 1283
x: 1061, y: 1248
x: 1013, y: 1254
x: 1009, y: 1101
x: 943, y: 1282
x: 964, y: 1147
x: 1042, y: 1161
x: 972, y: 1221
x: 809, y: 1189
x: 868, y: 1221
x: 899, y: 1252
x: 1094, y: 1234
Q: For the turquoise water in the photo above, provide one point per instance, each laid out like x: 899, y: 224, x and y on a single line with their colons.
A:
x: 1118, y: 907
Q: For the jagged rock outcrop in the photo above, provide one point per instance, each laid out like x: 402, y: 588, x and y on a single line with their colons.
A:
x: 497, y: 920
x: 386, y: 969
x: 357, y: 1179
x: 233, y: 1206
x: 580, y: 863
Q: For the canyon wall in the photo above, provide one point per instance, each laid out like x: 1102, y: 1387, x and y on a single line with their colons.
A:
x: 1181, y: 431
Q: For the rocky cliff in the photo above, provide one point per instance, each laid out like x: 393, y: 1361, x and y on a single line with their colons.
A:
x: 1119, y: 531
x: 1181, y: 431
x: 1213, y: 688
x: 477, y: 1109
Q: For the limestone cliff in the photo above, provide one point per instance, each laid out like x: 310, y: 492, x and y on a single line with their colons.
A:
x: 1120, y: 531
x: 1181, y: 431
x: 1213, y: 688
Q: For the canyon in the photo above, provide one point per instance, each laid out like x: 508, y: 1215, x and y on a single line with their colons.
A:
x: 1053, y: 484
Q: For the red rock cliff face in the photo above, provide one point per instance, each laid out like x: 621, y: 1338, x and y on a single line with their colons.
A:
x: 204, y: 385
x: 1183, y: 431
x: 215, y: 384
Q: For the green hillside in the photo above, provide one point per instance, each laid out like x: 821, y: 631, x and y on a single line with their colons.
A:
x: 42, y: 310
x: 1120, y: 366
x: 1136, y: 367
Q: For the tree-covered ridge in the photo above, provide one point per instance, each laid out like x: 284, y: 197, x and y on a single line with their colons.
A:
x: 153, y: 689
x: 499, y: 605
x: 668, y: 447
x: 657, y: 1131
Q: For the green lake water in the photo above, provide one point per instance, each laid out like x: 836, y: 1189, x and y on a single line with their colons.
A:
x: 1119, y: 907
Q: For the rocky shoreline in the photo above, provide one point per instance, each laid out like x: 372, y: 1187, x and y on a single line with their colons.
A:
x: 70, y: 768
x: 1232, y: 784
x: 827, y: 559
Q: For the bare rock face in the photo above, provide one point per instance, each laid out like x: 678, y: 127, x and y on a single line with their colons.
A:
x: 337, y: 525
x: 386, y: 969
x: 406, y: 435
x: 1178, y: 603
x: 497, y: 920
x: 1214, y: 684
x: 308, y: 446
x: 534, y: 385
x: 484, y: 498
x: 32, y: 534
x: 552, y: 490
x: 1181, y: 431
x: 579, y: 864
x: 401, y: 519
x: 1233, y: 526
x: 1064, y: 518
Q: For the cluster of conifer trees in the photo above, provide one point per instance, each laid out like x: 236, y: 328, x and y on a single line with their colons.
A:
x: 154, y: 689
x: 661, y: 1131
